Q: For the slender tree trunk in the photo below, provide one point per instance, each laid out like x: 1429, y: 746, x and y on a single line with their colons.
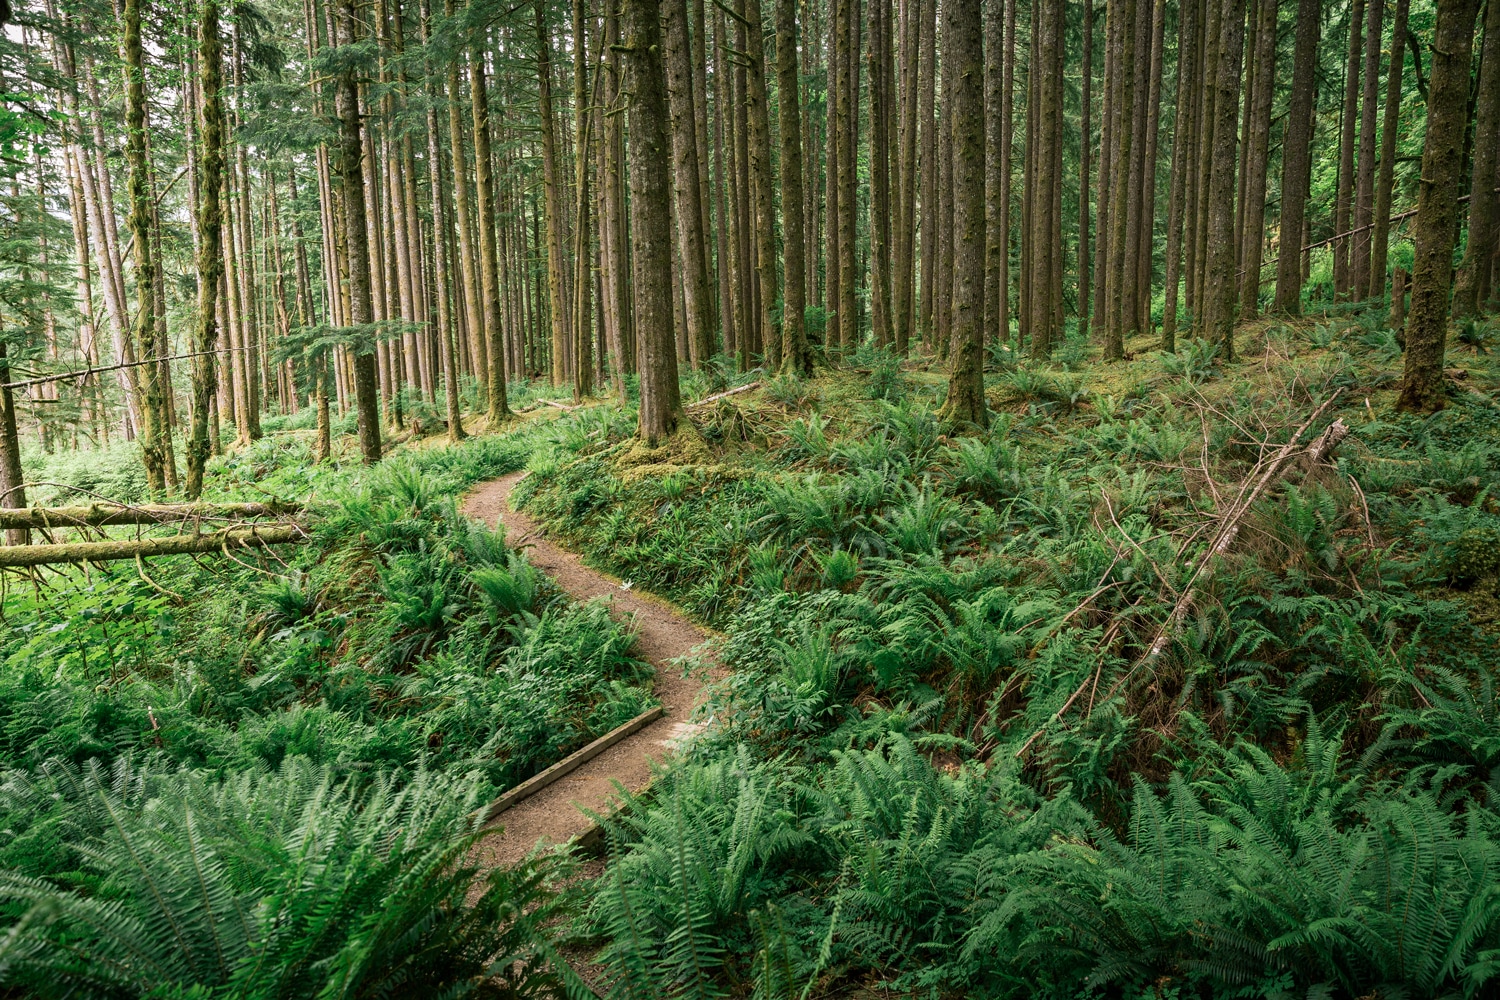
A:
x: 928, y: 166
x: 1484, y: 203
x: 963, y: 54
x: 691, y: 237
x: 1208, y: 122
x: 758, y: 113
x: 210, y: 263
x: 1085, y: 101
x: 903, y: 278
x: 1190, y: 28
x: 1364, y: 198
x: 489, y: 275
x: 796, y: 357
x: 1219, y: 286
x: 557, y: 279
x: 1124, y: 71
x: 661, y: 406
x: 1046, y: 219
x: 1343, y: 201
x: 1257, y: 159
x: 881, y: 114
x: 846, y: 125
x: 351, y: 150
x: 153, y: 410
x: 1145, y: 254
x: 1007, y: 137
x: 1385, y: 181
x: 1295, y: 166
x: 1423, y: 386
x: 583, y: 284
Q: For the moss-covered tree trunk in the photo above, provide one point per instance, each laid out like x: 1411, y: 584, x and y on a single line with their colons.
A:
x: 1484, y: 202
x: 1423, y: 387
x: 964, y: 57
x: 1385, y: 181
x: 210, y: 220
x: 356, y: 243
x: 1219, y: 285
x: 795, y: 355
x: 143, y: 333
x: 1295, y: 167
x: 649, y: 168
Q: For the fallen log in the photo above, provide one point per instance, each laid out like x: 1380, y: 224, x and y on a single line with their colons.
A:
x: 20, y: 556
x: 720, y: 395
x: 98, y: 515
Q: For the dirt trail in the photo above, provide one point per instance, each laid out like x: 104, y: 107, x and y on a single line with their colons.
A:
x: 553, y: 815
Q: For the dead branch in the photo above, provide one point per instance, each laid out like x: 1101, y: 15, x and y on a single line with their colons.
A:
x: 18, y: 556
x: 720, y: 395
x: 98, y: 515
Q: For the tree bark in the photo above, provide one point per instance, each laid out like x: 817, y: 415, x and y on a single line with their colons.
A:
x: 1086, y: 140
x: 796, y: 357
x: 1484, y: 203
x: 661, y: 405
x: 210, y: 262
x: 1219, y: 285
x: 1295, y: 166
x: 1123, y: 13
x: 1344, y: 198
x: 1257, y: 159
x: 1364, y: 192
x: 557, y: 267
x: 1385, y: 183
x: 1423, y: 387
x: 963, y: 55
x: 1183, y: 141
x: 758, y: 113
x: 351, y: 150
x: 484, y: 222
x: 691, y: 238
x: 153, y: 403
x: 847, y: 209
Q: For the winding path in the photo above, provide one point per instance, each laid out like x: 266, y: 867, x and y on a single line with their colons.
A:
x: 554, y: 814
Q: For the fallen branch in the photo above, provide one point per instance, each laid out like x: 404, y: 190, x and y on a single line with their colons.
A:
x: 720, y: 395
x: 1227, y: 530
x: 97, y: 515
x: 19, y: 556
x: 560, y: 406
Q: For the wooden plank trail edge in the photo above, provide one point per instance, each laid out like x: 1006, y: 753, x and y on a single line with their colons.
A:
x: 571, y: 762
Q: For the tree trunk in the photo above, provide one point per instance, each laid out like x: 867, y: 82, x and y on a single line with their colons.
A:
x: 1207, y: 123
x: 661, y: 406
x: 1423, y: 387
x: 153, y: 404
x: 796, y: 357
x: 1219, y: 285
x: 846, y: 43
x: 1257, y: 159
x: 210, y: 262
x: 880, y: 176
x: 441, y: 271
x: 963, y: 56
x: 1124, y: 13
x: 691, y: 238
x: 351, y: 150
x: 1385, y: 182
x: 1484, y: 203
x: 1364, y: 194
x: 1086, y: 140
x: 1147, y: 236
x: 1344, y: 198
x: 903, y: 278
x: 1295, y: 166
x: 484, y: 222
x: 928, y: 166
x: 557, y: 277
x: 1183, y: 141
x: 758, y: 112
x: 583, y: 284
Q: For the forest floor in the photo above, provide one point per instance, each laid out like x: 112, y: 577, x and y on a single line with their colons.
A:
x: 665, y: 636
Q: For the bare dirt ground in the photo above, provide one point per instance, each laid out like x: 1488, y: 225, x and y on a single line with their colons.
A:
x: 554, y: 815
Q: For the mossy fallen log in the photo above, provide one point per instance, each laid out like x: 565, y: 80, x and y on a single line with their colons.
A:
x: 98, y: 515
x: 20, y: 556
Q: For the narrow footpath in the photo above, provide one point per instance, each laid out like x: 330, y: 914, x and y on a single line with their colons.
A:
x: 554, y: 814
